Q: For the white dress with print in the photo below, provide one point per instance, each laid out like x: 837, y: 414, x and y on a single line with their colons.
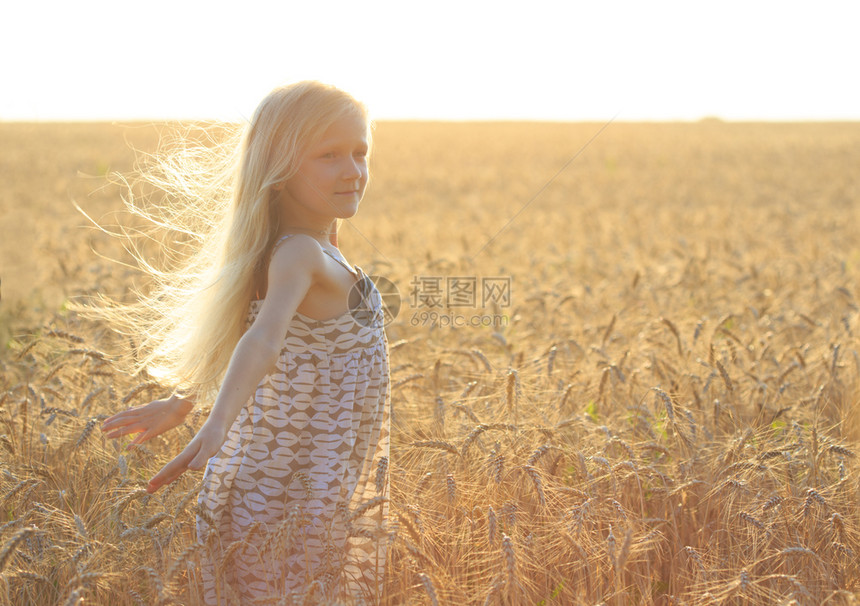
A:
x: 308, y: 449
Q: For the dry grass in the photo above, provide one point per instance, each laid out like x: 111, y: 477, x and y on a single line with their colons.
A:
x: 669, y: 416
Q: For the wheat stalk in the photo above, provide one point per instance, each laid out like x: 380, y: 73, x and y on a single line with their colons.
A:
x: 367, y: 506
x: 429, y: 588
x: 512, y: 389
x: 538, y: 483
x: 452, y: 489
x: 85, y: 434
x: 381, y: 474
x: 12, y: 544
x: 495, y: 587
x: 437, y: 444
x: 138, y: 389
x: 491, y: 525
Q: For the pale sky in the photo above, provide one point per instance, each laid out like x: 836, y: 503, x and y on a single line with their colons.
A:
x: 448, y: 60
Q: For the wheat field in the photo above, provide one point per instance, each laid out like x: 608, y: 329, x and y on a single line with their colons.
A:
x: 666, y: 411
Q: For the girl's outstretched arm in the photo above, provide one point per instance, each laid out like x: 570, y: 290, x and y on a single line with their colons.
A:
x: 293, y: 269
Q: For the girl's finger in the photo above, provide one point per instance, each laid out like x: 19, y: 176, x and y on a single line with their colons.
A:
x: 114, y: 417
x: 121, y: 431
x: 174, y: 468
x: 118, y: 420
x: 167, y: 474
x: 173, y: 476
x: 115, y: 432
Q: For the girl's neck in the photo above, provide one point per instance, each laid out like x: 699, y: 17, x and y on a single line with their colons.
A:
x: 325, y: 231
x: 329, y: 234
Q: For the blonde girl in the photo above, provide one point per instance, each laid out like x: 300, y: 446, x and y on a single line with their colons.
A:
x: 263, y: 313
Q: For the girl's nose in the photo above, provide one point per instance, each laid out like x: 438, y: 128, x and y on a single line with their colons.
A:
x: 352, y: 169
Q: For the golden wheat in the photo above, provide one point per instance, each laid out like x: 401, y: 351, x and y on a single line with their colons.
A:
x: 667, y: 415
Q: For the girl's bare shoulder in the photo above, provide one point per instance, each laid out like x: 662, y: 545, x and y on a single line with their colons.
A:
x: 296, y: 255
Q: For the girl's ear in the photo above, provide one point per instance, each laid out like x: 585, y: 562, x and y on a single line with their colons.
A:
x: 278, y: 186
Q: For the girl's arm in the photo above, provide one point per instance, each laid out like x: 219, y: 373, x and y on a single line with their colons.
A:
x: 293, y: 269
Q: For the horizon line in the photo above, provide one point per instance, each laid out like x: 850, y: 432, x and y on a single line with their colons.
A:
x: 493, y: 120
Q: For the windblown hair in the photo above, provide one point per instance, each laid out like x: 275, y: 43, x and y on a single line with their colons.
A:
x: 218, y: 203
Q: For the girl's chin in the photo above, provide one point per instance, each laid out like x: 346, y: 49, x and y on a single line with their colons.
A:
x: 347, y: 209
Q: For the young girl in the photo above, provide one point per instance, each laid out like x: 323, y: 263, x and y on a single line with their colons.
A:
x: 263, y: 313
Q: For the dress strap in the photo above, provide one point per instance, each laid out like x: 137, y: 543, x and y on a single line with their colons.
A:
x: 341, y: 261
x: 278, y: 243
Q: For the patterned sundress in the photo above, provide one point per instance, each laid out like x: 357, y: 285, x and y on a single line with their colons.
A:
x: 297, y: 497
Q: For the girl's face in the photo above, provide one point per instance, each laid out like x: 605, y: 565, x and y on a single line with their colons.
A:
x: 331, y: 178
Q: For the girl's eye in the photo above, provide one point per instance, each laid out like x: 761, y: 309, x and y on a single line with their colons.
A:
x: 328, y: 155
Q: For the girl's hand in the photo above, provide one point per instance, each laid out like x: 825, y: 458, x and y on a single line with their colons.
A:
x: 202, y: 447
x: 149, y: 420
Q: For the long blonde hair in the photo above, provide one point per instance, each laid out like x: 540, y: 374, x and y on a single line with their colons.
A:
x: 219, y: 201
